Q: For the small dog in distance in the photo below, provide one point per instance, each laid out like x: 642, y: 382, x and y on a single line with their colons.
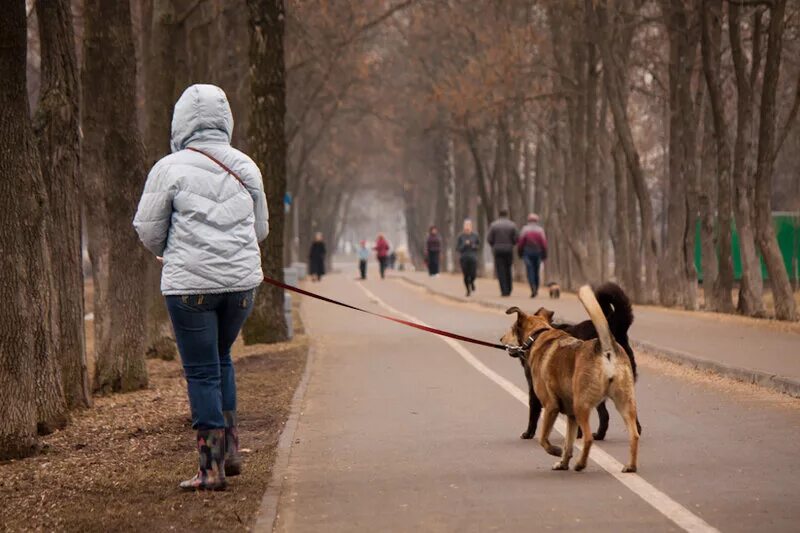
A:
x: 555, y: 290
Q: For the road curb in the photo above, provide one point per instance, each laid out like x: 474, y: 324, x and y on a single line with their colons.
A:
x: 774, y: 382
x: 268, y: 510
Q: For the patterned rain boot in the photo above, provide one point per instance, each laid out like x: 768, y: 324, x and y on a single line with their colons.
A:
x: 211, y: 474
x: 233, y: 461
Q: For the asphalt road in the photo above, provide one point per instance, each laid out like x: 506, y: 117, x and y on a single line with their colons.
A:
x: 401, y: 431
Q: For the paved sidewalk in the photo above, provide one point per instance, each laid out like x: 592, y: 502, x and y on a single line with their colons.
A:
x: 730, y: 347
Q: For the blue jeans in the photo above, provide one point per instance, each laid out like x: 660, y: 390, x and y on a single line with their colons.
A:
x: 206, y: 325
x: 532, y: 262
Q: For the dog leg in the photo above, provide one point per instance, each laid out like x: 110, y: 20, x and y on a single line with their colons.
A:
x: 626, y: 406
x: 569, y: 443
x: 534, y: 405
x: 550, y: 415
x: 602, y: 413
x: 582, y: 416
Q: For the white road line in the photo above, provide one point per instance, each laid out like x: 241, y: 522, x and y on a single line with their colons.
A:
x: 680, y: 515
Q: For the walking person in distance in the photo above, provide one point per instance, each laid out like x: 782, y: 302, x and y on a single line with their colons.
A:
x: 467, y: 246
x: 363, y: 257
x: 433, y: 250
x: 316, y: 258
x: 202, y: 213
x: 502, y: 237
x: 532, y: 248
x: 382, y: 251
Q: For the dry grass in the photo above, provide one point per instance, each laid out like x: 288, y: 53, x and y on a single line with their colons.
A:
x: 117, y: 465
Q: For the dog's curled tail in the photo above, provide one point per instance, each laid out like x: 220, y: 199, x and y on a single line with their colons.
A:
x: 587, y: 298
x: 618, y: 309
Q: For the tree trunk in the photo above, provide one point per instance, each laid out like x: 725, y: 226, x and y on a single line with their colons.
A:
x: 268, y: 144
x: 57, y: 126
x: 160, y: 92
x: 615, y: 93
x: 25, y: 336
x: 706, y: 202
x: 785, y: 306
x: 114, y: 173
x: 751, y: 286
x: 676, y: 285
x: 718, y: 295
x: 623, y: 260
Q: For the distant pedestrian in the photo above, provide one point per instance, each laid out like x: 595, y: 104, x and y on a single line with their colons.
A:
x: 203, y: 220
x: 433, y: 250
x: 532, y: 248
x: 468, y: 245
x: 382, y: 251
x: 316, y: 258
x: 363, y: 257
x: 502, y: 237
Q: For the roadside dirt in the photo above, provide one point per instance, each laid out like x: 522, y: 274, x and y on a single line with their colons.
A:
x: 117, y: 465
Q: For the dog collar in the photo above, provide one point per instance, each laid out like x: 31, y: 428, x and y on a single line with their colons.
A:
x: 522, y: 349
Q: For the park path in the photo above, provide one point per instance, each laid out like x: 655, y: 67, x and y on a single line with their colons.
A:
x: 747, y: 349
x: 399, y: 431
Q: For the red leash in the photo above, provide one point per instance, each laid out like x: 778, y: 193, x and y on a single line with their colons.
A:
x: 386, y: 317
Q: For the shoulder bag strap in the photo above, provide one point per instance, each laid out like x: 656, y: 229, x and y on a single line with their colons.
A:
x: 221, y: 164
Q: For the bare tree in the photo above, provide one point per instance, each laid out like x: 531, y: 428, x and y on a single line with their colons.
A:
x: 751, y: 289
x: 268, y: 146
x: 57, y: 125
x: 113, y: 161
x: 717, y: 287
x: 160, y: 66
x: 26, y: 333
x: 785, y: 306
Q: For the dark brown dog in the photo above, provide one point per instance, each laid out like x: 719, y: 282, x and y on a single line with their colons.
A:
x: 572, y: 377
x: 618, y: 311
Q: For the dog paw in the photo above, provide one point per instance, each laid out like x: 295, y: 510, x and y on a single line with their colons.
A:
x: 555, y: 451
x: 561, y: 466
x: 599, y: 436
x: 579, y: 466
x: 628, y: 469
x: 526, y: 436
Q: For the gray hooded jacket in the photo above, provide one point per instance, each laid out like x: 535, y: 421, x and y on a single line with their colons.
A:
x: 204, y: 223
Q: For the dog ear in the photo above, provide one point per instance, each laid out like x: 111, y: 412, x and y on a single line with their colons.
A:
x: 515, y: 309
x: 546, y: 314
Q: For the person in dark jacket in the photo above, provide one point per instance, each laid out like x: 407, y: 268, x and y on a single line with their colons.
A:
x: 316, y: 258
x: 382, y: 251
x: 433, y: 250
x: 532, y: 248
x: 467, y: 246
x: 502, y: 237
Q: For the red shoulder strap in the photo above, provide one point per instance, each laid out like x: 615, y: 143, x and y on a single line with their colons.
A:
x: 220, y: 163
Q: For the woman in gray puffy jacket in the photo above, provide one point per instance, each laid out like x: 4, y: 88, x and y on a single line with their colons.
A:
x: 202, y: 213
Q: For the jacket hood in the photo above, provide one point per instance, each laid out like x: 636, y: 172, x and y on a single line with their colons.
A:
x: 202, y: 113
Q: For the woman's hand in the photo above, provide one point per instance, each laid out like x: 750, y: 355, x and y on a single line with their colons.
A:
x: 160, y: 259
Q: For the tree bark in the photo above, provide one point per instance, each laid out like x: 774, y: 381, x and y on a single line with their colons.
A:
x: 707, y: 215
x: 25, y: 336
x: 160, y: 90
x: 614, y: 91
x: 268, y: 144
x: 676, y: 283
x: 114, y: 174
x: 785, y: 306
x: 718, y: 296
x: 57, y: 126
x: 751, y: 286
x: 623, y: 260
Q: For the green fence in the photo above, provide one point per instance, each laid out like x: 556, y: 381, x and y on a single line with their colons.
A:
x: 787, y: 227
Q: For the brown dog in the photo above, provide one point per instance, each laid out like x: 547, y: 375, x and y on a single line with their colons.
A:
x: 572, y: 377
